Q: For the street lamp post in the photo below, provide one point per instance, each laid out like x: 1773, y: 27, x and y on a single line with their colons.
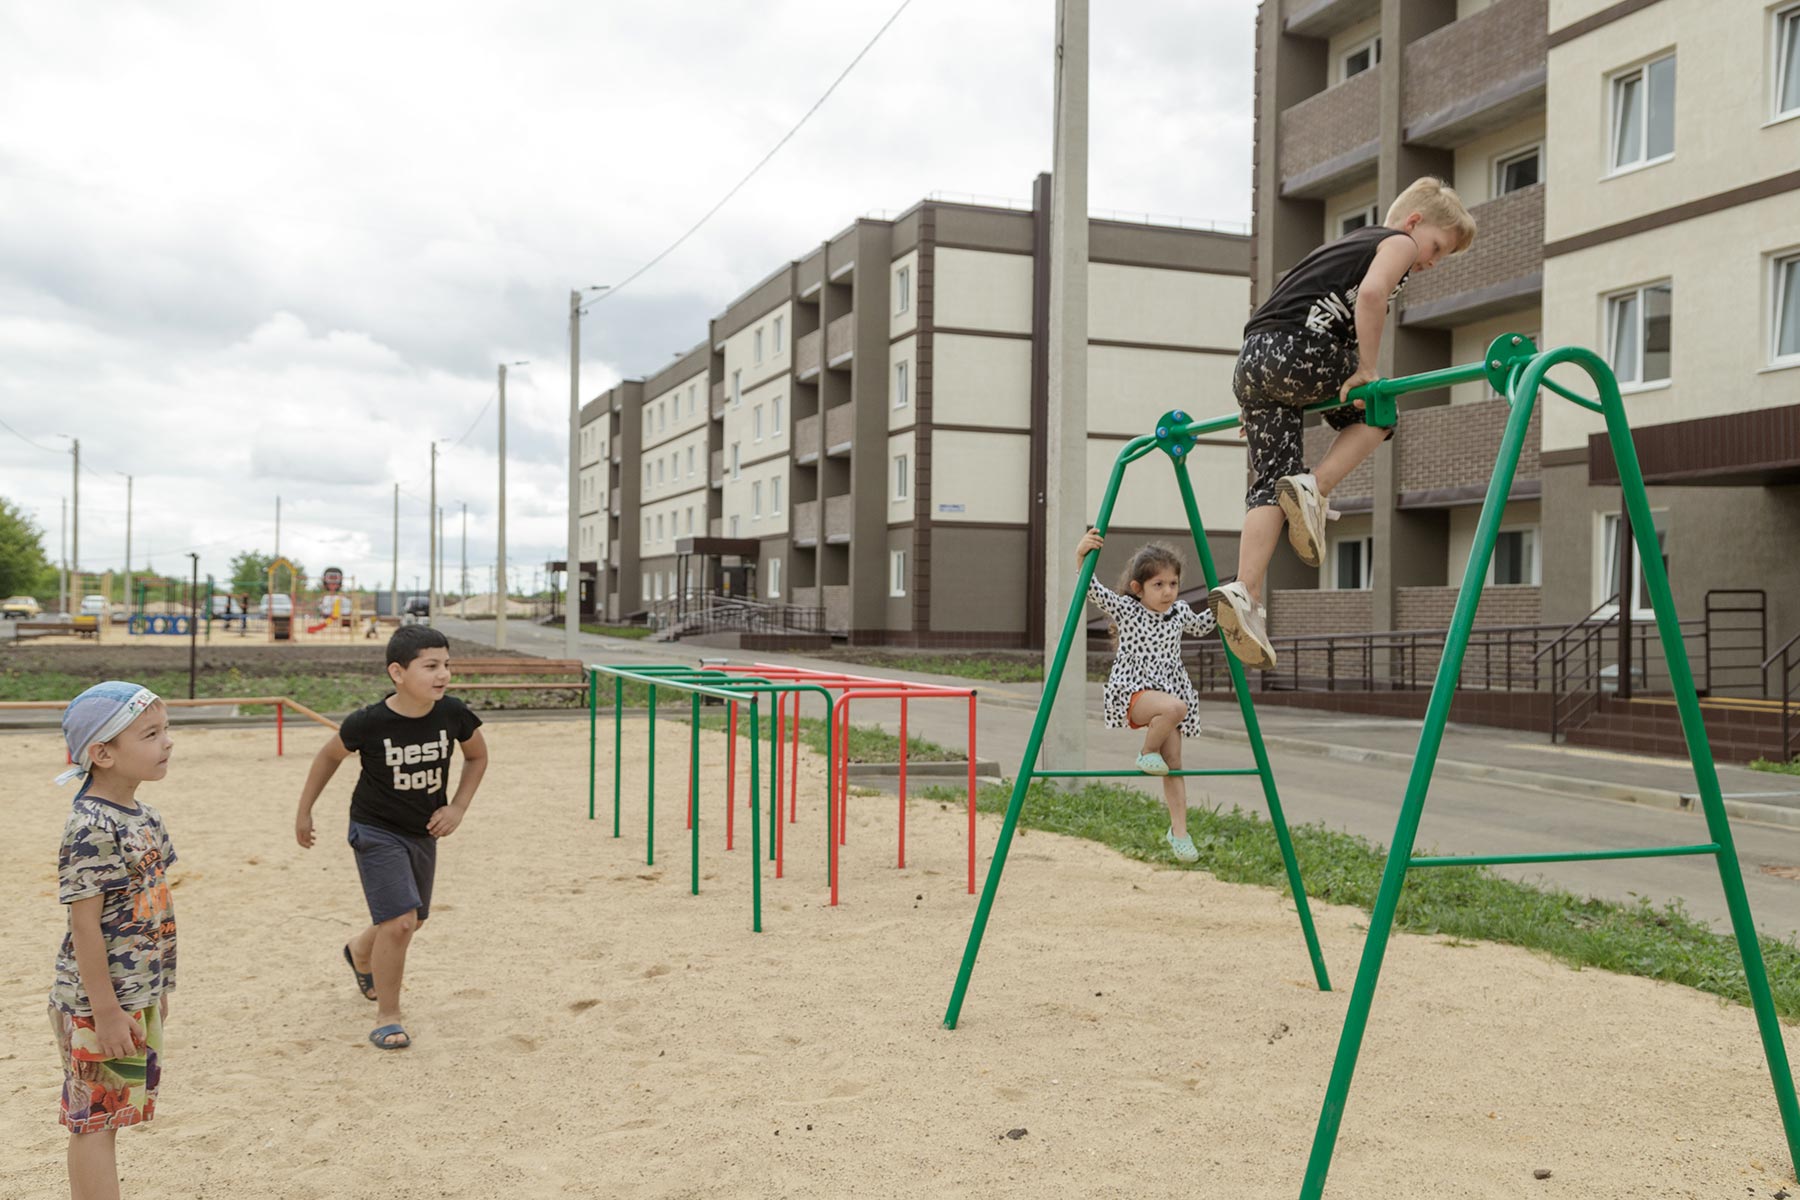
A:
x: 128, y: 483
x: 572, y: 575
x: 501, y: 592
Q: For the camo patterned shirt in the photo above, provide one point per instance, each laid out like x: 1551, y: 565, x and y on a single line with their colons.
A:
x: 121, y: 855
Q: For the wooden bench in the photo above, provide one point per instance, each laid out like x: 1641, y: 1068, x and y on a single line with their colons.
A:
x: 561, y: 674
x: 88, y: 628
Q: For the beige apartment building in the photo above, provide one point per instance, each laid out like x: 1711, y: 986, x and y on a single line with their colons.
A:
x: 1632, y: 169
x: 861, y: 434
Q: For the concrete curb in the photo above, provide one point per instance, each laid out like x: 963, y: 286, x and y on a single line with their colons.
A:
x: 1539, y: 781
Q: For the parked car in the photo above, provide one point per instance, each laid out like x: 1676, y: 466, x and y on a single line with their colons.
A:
x: 277, y: 604
x: 93, y: 606
x: 19, y: 608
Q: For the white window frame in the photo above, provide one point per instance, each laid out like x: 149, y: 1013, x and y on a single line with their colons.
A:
x: 756, y: 499
x: 1784, y: 28
x: 659, y: 529
x: 690, y: 518
x: 693, y: 398
x: 659, y: 472
x: 1370, y: 213
x: 734, y: 525
x: 757, y: 342
x: 643, y: 589
x: 902, y: 389
x: 902, y: 291
x: 1366, y: 561
x: 1615, y: 86
x: 737, y: 459
x: 646, y: 529
x: 1372, y: 44
x: 774, y: 578
x: 775, y: 416
x: 1503, y: 161
x: 756, y: 423
x: 779, y: 343
x: 691, y: 467
x: 1537, y: 555
x: 1778, y: 262
x: 1636, y: 382
x: 896, y: 572
x: 902, y: 477
x: 737, y: 388
x: 1606, y: 574
x: 775, y: 496
x: 646, y: 477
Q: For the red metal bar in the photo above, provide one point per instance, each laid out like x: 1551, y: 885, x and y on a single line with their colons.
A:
x: 794, y: 767
x: 776, y: 832
x: 279, y: 708
x: 902, y: 862
x: 971, y: 793
x: 731, y: 775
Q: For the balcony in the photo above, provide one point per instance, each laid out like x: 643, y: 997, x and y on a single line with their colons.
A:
x: 718, y: 468
x: 1476, y: 75
x: 614, y: 506
x: 840, y: 341
x: 839, y: 518
x: 1445, y: 456
x: 804, y: 597
x: 718, y: 401
x: 840, y: 428
x: 806, y: 523
x: 612, y: 556
x: 1502, y: 271
x: 1330, y: 140
x: 806, y: 440
x: 618, y: 455
x: 806, y: 355
x: 1322, y: 18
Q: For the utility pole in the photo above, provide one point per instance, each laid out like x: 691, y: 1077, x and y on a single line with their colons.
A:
x: 462, y: 592
x: 277, y: 526
x: 75, y: 530
x: 128, y: 482
x: 1065, y: 502
x: 500, y: 536
x: 194, y: 622
x: 431, y: 520
x: 394, y: 579
x: 572, y: 575
x: 62, y: 580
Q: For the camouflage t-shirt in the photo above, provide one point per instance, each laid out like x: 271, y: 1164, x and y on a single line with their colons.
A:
x: 120, y: 854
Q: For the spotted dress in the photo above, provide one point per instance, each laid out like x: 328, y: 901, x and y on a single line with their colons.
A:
x: 1149, y: 657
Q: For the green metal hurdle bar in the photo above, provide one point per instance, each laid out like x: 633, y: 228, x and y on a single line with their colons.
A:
x: 1175, y: 436
x: 698, y: 684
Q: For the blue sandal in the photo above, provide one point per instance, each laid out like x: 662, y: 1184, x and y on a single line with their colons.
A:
x: 365, y: 981
x: 379, y: 1038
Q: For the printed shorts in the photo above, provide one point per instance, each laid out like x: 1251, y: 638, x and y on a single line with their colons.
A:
x: 107, y: 1093
x: 396, y: 870
x: 1279, y: 374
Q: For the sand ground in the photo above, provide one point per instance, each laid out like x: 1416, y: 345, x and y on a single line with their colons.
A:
x: 585, y: 1027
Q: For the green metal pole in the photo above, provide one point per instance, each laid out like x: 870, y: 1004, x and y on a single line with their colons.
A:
x: 1253, y: 728
x: 593, y: 721
x: 694, y: 791
x: 1431, y: 737
x: 650, y: 789
x: 618, y: 742
x: 755, y: 822
x: 1706, y: 773
x: 774, y: 770
x: 1077, y: 605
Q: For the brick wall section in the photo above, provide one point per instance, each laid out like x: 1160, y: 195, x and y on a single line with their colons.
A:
x: 1430, y: 607
x: 1331, y: 123
x: 1509, y: 244
x: 840, y: 336
x: 1467, y: 57
x: 1299, y: 612
x: 1360, y: 482
x: 1454, y: 445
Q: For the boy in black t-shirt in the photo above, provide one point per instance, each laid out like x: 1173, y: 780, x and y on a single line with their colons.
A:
x: 399, y: 808
x: 1317, y: 336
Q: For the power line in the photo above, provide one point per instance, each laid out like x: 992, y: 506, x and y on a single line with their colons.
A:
x: 29, y: 442
x: 761, y: 163
x: 477, y: 420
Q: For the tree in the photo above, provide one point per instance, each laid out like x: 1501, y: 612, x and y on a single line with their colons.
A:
x: 250, y: 574
x: 23, y: 564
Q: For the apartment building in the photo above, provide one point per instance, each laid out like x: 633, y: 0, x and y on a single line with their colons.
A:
x: 1631, y: 168
x: 872, y: 414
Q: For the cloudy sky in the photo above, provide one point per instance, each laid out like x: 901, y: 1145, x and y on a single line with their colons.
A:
x: 250, y: 250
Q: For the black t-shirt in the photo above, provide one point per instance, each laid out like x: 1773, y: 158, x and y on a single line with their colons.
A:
x: 405, y: 762
x: 1320, y: 292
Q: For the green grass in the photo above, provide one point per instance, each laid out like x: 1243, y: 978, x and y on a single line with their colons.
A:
x: 996, y: 668
x: 635, y: 632
x: 1776, y: 768
x: 1456, y: 902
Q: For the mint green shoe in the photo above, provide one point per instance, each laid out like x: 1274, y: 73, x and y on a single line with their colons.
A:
x: 1181, y: 847
x: 1152, y: 764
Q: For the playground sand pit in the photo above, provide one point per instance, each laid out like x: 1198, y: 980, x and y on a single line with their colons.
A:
x: 585, y: 1027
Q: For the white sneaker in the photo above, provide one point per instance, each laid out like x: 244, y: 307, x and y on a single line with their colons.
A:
x: 1181, y: 847
x: 1307, y: 512
x: 1244, y: 624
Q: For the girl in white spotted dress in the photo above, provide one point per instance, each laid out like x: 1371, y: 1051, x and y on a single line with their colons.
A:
x: 1148, y: 688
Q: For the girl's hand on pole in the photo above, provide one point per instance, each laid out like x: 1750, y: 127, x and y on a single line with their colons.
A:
x: 1090, y: 541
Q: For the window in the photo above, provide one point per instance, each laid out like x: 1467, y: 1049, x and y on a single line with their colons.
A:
x: 756, y: 422
x: 900, y: 477
x: 758, y: 342
x: 656, y: 585
x: 644, y: 590
x: 1784, y: 341
x: 1359, y: 218
x: 897, y: 573
x: 1518, y: 170
x: 737, y: 388
x: 690, y: 519
x: 774, y: 578
x: 646, y: 477
x: 778, y: 342
x: 902, y: 290
x: 1643, y: 114
x: 659, y: 470
x: 1607, y: 582
x: 646, y: 529
x: 691, y: 468
x: 659, y: 527
x: 775, y: 415
x: 736, y: 459
x: 901, y: 397
x: 775, y: 495
x: 1639, y: 331
x: 1515, y: 560
x: 1787, y: 61
x: 756, y: 500
x: 1352, y: 561
x: 1360, y: 58
x: 693, y: 398
x: 734, y: 526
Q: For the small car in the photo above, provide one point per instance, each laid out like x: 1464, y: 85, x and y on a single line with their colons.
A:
x: 93, y: 605
x: 19, y: 608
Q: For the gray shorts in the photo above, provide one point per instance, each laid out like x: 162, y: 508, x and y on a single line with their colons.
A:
x: 396, y: 869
